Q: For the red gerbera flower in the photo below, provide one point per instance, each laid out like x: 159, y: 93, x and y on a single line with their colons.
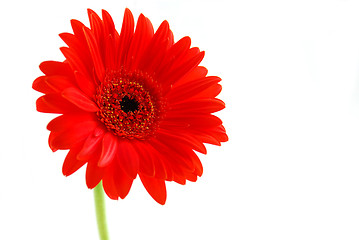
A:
x: 131, y: 103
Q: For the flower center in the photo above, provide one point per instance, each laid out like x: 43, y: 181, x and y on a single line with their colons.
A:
x: 130, y: 104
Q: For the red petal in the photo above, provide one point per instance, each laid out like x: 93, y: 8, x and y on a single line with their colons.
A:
x: 41, y: 85
x: 180, y: 179
x: 109, y: 149
x: 116, y: 183
x: 109, y: 184
x: 192, y: 89
x: 186, y: 139
x: 159, y: 167
x: 156, y: 49
x: 206, y: 137
x: 125, y: 38
x: 110, y: 51
x: 191, y: 120
x: 162, y: 170
x: 176, y: 153
x: 199, y: 106
x: 173, y: 54
x: 96, y: 26
x: 94, y: 174
x: 172, y: 162
x: 67, y: 139
x: 78, y: 98
x: 197, y: 164
x: 128, y: 158
x: 140, y: 40
x: 196, y: 73
x: 191, y: 177
x: 55, y: 68
x: 122, y: 181
x: 58, y: 83
x: 220, y: 133
x: 95, y: 54
x: 77, y: 45
x: 210, y: 92
x: 75, y: 61
x: 181, y: 70
x: 91, y: 144
x: 216, y: 132
x: 77, y: 27
x: 54, y: 103
x: 146, y: 158
x: 109, y: 26
x: 85, y: 84
x: 71, y: 40
x: 71, y: 163
x: 155, y: 187
x: 67, y: 121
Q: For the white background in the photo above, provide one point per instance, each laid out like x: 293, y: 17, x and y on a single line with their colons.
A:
x: 290, y: 73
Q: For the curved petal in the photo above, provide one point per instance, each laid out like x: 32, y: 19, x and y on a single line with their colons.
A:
x: 78, y: 45
x: 210, y: 92
x: 205, y: 136
x: 41, y: 85
x: 191, y: 177
x: 76, y: 63
x: 52, y: 83
x: 109, y: 26
x: 55, y: 68
x: 210, y: 105
x: 67, y: 139
x: 71, y: 163
x: 116, y: 182
x: 111, y: 41
x: 160, y: 169
x: 146, y: 158
x: 54, y: 103
x: 125, y: 38
x: 173, y: 162
x: 91, y: 144
x: 109, y: 149
x: 190, y: 120
x: 85, y: 84
x: 197, y: 164
x: 155, y: 187
x: 109, y: 184
x: 96, y: 27
x: 128, y: 158
x: 176, y: 51
x: 75, y: 96
x: 94, y: 173
x: 58, y: 82
x: 122, y: 181
x: 180, y: 70
x: 180, y: 179
x: 67, y: 121
x: 196, y: 73
x: 140, y: 40
x: 220, y: 133
x: 156, y: 49
x: 77, y: 27
x: 175, y: 140
x: 95, y: 54
x: 192, y: 89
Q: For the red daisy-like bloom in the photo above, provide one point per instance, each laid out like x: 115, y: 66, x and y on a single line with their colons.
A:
x: 131, y: 103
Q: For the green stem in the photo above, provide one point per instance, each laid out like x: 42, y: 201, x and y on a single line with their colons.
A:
x: 100, y: 212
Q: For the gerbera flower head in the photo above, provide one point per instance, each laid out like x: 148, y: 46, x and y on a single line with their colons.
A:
x: 131, y: 103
